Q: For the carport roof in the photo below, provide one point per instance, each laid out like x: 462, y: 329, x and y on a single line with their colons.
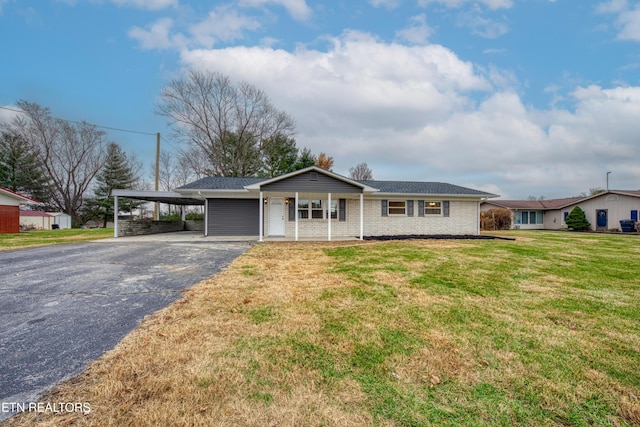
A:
x: 170, y: 197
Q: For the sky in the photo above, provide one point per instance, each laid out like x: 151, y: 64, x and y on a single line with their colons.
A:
x: 515, y: 97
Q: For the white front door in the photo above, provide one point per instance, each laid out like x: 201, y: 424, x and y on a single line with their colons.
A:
x: 276, y: 217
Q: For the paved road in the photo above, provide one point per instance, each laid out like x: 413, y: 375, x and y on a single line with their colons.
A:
x: 63, y: 306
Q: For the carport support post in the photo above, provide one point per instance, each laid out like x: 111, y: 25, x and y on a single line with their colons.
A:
x: 361, y: 216
x: 296, y: 213
x: 329, y: 219
x: 115, y: 216
x: 261, y: 225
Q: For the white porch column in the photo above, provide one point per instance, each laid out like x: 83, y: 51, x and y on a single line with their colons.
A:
x: 115, y: 216
x: 206, y: 217
x: 261, y: 225
x: 329, y: 216
x: 295, y: 210
x: 184, y: 213
x: 361, y: 216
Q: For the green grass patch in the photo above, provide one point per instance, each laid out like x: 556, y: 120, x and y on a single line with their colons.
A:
x: 51, y: 237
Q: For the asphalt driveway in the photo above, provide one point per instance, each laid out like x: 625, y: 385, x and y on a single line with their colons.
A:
x: 66, y: 305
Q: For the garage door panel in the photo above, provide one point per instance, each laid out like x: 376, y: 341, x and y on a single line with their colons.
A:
x: 233, y: 217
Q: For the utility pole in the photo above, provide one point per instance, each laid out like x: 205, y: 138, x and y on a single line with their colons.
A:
x: 156, y: 206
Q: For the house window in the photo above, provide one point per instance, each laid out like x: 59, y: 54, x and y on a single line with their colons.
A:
x: 397, y: 207
x: 334, y: 209
x: 316, y: 209
x: 529, y: 217
x: 303, y: 209
x: 432, y: 208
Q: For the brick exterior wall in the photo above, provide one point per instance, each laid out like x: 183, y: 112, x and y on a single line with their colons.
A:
x: 9, y: 219
x: 462, y: 219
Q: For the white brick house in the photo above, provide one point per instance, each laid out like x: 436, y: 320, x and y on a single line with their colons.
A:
x: 313, y: 203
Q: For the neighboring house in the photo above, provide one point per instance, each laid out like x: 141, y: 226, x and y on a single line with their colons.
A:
x: 10, y: 210
x: 35, y: 220
x: 604, y: 211
x: 313, y: 203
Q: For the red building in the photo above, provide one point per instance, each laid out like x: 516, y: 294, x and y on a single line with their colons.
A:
x: 10, y: 210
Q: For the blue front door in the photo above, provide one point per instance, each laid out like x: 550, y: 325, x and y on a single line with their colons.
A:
x: 601, y: 214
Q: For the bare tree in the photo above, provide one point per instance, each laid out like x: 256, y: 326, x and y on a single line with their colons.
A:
x: 72, y: 154
x: 226, y: 123
x: 361, y: 172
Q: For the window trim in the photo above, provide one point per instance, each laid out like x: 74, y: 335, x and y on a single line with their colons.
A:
x: 390, y: 207
x: 439, y: 205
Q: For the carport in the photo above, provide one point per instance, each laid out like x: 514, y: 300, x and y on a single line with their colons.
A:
x: 168, y: 197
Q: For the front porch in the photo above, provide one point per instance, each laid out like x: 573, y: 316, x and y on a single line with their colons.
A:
x: 296, y: 216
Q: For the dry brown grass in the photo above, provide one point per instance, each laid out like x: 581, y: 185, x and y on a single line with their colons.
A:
x: 186, y: 364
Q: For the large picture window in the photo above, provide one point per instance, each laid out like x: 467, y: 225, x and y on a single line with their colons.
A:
x: 529, y: 217
x: 317, y: 209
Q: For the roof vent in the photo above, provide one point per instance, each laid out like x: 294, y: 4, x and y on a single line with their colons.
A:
x: 313, y: 176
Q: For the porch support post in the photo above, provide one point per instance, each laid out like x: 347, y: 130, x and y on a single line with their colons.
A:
x: 261, y: 225
x: 206, y: 217
x: 361, y: 216
x: 295, y: 209
x: 329, y: 216
x: 184, y: 213
x: 115, y: 216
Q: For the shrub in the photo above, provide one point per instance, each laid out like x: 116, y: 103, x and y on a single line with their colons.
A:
x: 495, y: 219
x: 577, y: 220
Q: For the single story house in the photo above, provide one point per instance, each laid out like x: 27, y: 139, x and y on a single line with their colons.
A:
x: 10, y: 210
x: 604, y: 211
x: 35, y: 220
x: 317, y: 204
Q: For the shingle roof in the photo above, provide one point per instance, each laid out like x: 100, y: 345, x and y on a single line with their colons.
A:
x: 221, y: 183
x: 413, y: 187
x: 392, y: 187
x: 537, y: 204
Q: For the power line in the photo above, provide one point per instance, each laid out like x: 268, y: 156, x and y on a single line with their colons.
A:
x: 75, y: 122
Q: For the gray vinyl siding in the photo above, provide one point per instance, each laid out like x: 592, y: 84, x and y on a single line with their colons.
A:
x: 303, y: 183
x: 233, y: 217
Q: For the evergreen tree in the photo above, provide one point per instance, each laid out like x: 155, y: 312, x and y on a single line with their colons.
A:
x: 305, y: 159
x: 118, y: 173
x: 20, y: 171
x: 279, y: 156
x: 577, y: 220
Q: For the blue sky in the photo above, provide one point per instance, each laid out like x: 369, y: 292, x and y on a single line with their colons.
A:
x: 516, y: 97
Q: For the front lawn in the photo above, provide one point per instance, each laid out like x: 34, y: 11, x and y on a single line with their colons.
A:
x: 50, y: 237
x: 541, y: 331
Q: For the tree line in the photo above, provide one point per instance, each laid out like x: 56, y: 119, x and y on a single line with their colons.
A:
x: 224, y: 129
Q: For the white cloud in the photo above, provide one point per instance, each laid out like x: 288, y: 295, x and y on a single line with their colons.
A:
x: 388, y: 4
x: 157, y: 36
x: 420, y: 112
x: 417, y: 32
x: 481, y: 26
x: 147, y: 4
x: 627, y: 19
x: 491, y: 4
x: 298, y: 9
x: 8, y: 114
x: 224, y: 24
